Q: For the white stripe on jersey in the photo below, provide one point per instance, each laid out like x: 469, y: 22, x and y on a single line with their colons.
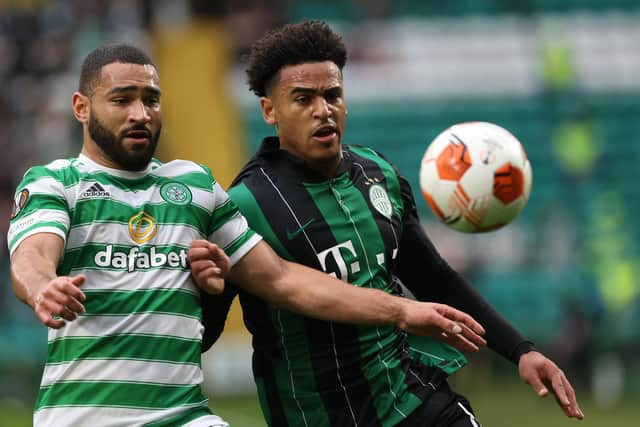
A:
x: 230, y: 231
x: 139, y: 323
x: 207, y: 421
x: 136, y: 280
x: 36, y: 230
x: 178, y: 167
x: 88, y: 416
x: 242, y: 250
x: 46, y: 185
x: 118, y: 233
x: 472, y: 419
x: 37, y: 217
x: 58, y: 164
x: 220, y: 195
x: 141, y: 371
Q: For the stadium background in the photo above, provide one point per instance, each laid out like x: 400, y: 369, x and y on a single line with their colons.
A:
x: 563, y: 76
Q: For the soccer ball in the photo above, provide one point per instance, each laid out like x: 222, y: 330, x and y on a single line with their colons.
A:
x: 476, y: 177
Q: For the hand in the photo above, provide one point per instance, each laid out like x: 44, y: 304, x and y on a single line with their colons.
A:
x: 62, y: 297
x: 540, y: 372
x: 209, y: 265
x: 441, y: 321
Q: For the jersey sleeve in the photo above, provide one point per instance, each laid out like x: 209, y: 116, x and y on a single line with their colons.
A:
x: 229, y: 228
x: 40, y: 206
x: 431, y: 278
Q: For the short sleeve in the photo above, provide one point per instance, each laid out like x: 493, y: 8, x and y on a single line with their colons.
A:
x: 229, y: 228
x: 40, y: 206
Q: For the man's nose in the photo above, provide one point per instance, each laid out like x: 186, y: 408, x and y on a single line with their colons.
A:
x: 139, y: 112
x: 321, y: 108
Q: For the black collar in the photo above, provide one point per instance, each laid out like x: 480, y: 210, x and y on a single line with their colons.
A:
x: 286, y: 163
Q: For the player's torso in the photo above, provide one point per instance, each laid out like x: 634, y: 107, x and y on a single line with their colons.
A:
x: 349, y: 227
x: 137, y: 347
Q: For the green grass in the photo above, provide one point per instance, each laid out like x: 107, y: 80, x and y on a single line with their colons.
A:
x: 497, y: 404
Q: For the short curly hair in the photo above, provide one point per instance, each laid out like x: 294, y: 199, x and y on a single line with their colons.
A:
x: 292, y: 44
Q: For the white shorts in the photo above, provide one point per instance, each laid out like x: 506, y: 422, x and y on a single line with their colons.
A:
x: 207, y: 421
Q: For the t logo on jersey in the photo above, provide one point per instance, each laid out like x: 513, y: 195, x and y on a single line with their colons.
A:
x: 142, y: 227
x: 335, y: 253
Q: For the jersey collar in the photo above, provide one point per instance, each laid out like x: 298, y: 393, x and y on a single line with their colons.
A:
x: 287, y: 163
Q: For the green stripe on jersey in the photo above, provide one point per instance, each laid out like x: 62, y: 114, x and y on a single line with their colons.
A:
x: 167, y: 301
x: 392, y: 181
x: 132, y: 346
x: 119, y: 394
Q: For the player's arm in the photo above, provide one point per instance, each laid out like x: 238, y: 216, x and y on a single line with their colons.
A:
x: 430, y: 278
x: 35, y: 282
x: 294, y: 287
x: 215, y: 309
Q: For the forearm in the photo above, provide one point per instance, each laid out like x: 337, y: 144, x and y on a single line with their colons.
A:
x: 34, y: 264
x: 30, y: 272
x: 430, y: 278
x: 316, y: 294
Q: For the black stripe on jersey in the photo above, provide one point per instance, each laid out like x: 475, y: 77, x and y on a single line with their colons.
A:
x: 262, y: 369
x: 331, y: 373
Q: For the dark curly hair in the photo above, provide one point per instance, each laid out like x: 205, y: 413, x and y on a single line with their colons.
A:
x: 292, y: 44
x: 105, y: 55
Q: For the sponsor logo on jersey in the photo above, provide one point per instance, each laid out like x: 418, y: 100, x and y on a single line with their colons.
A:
x: 298, y: 231
x: 134, y: 259
x: 176, y: 193
x: 96, y: 190
x: 19, y: 202
x: 142, y: 227
x: 380, y: 200
x: 334, y: 253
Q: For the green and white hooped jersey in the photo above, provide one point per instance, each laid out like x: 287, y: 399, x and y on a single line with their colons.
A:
x: 134, y: 357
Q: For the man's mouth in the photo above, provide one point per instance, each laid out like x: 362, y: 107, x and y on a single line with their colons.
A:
x: 138, y: 136
x: 325, y: 133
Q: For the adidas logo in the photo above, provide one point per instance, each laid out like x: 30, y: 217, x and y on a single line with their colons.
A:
x: 96, y: 190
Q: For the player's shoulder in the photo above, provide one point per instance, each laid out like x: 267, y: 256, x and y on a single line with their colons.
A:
x: 178, y: 167
x: 368, y: 153
x: 250, y: 171
x: 59, y: 170
x: 182, y: 169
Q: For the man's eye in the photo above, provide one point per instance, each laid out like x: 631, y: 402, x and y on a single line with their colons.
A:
x: 153, y: 101
x: 331, y: 97
x: 119, y: 101
x: 302, y: 99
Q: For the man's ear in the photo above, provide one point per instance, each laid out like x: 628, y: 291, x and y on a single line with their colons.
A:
x: 268, y: 112
x: 80, y: 106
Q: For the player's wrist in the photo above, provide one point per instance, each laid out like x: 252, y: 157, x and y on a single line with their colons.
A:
x: 401, y: 312
x: 521, y: 349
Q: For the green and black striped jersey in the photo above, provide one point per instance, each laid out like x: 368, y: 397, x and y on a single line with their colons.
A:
x: 134, y: 357
x: 314, y: 373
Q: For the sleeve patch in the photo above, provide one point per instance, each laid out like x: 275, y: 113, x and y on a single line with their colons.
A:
x: 20, y: 201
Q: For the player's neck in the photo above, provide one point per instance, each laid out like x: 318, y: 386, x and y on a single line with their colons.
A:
x: 327, y: 168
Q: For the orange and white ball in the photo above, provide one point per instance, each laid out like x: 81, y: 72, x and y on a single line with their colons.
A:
x: 476, y: 177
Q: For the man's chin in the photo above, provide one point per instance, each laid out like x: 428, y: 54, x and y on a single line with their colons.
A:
x: 136, y: 161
